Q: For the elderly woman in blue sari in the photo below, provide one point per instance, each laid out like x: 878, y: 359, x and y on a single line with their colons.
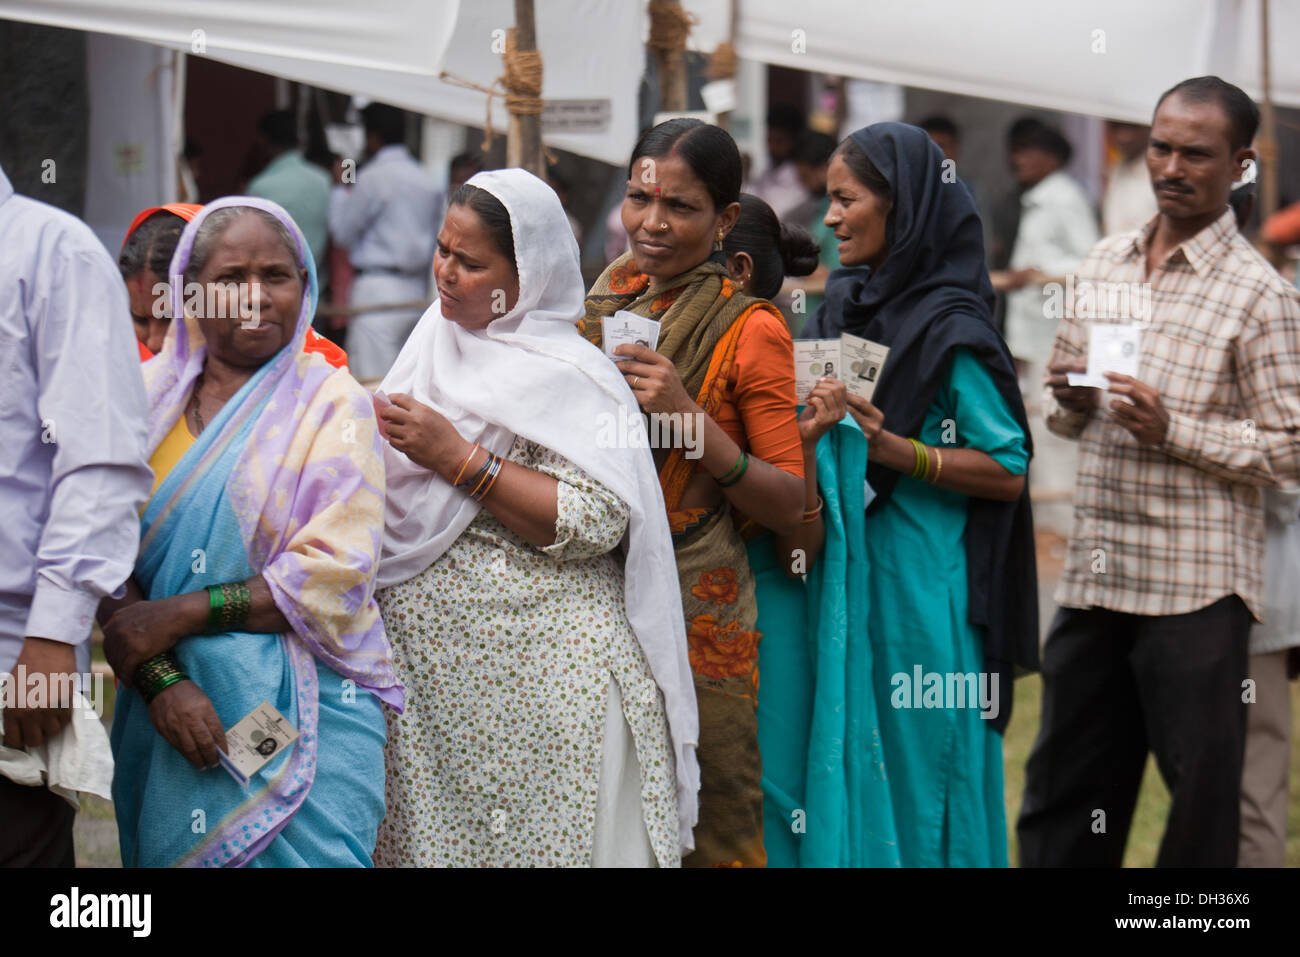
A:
x: 924, y: 582
x: 255, y: 577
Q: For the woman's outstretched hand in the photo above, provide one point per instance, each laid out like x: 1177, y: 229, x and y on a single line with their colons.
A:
x: 825, y: 407
x: 184, y: 715
x: 870, y: 419
x: 424, y: 435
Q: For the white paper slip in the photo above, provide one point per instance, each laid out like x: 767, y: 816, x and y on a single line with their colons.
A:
x: 254, y: 741
x: 814, y: 358
x: 625, y: 328
x: 1112, y: 347
x: 863, y: 362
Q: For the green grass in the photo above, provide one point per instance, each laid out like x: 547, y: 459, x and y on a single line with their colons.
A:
x: 1153, y: 798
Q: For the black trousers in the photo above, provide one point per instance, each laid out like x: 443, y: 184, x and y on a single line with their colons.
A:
x: 1116, y: 686
x: 35, y: 827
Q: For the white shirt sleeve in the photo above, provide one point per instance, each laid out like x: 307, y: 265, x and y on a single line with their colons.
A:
x: 352, y: 211
x: 91, y: 405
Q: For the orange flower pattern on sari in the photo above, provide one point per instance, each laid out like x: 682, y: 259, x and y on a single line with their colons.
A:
x: 721, y: 651
x: 625, y: 278
x: 718, y: 586
x: 664, y: 301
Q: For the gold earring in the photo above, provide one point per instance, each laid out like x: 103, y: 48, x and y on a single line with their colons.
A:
x: 717, y: 243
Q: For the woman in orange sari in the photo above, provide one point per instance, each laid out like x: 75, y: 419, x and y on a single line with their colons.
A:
x: 724, y: 363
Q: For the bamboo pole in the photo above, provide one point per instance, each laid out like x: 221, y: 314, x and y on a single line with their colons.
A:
x: 524, y: 142
x: 670, y: 65
x: 1268, y: 194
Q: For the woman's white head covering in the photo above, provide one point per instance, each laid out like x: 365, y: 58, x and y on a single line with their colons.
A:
x: 531, y: 374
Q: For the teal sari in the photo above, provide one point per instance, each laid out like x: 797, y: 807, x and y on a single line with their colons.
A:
x: 826, y: 800
x: 883, y: 778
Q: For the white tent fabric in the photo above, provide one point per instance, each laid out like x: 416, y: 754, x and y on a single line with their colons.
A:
x: 591, y: 49
x: 134, y: 135
x: 394, y: 36
x: 1109, y: 58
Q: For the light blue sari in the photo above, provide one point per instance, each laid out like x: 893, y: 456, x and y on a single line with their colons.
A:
x: 320, y: 803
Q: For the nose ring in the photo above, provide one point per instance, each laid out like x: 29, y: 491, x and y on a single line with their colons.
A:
x: 663, y: 227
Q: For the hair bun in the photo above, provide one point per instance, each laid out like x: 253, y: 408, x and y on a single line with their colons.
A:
x: 799, y: 254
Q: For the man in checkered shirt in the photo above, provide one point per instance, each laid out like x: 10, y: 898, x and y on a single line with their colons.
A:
x: 1164, y: 571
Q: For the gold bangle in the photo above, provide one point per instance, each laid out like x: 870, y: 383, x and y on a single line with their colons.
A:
x: 938, y: 458
x: 810, y: 515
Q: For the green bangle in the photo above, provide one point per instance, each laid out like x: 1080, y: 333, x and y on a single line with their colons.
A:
x: 216, y: 608
x: 922, y: 466
x: 229, y: 606
x: 162, y: 685
x: 737, y: 472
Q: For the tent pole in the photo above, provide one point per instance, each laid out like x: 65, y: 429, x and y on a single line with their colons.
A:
x: 524, y: 144
x: 668, y: 28
x: 1268, y: 132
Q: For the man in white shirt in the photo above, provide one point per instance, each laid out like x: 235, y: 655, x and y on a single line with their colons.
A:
x: 73, y: 478
x: 1058, y: 227
x: 1130, y: 201
x: 388, y: 222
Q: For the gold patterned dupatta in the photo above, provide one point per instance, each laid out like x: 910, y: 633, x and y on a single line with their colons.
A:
x: 703, y: 313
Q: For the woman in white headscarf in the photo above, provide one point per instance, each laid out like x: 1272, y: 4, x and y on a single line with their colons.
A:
x: 550, y: 716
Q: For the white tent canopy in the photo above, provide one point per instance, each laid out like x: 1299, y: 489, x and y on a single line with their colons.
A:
x: 1109, y: 58
x: 394, y: 36
x: 591, y: 50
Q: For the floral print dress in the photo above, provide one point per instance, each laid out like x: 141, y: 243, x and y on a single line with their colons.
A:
x: 510, y: 654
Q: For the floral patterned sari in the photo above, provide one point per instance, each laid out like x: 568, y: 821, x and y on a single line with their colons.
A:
x: 702, y: 316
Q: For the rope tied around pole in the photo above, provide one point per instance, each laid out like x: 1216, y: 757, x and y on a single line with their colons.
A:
x: 521, y: 85
x: 670, y: 25
x: 722, y: 62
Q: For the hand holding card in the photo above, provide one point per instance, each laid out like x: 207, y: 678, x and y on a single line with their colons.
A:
x: 1112, y: 347
x: 626, y: 328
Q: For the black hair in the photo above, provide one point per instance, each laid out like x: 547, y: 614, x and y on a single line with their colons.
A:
x: 942, y: 125
x: 708, y: 150
x: 786, y: 116
x: 280, y: 127
x: 778, y: 249
x: 386, y: 122
x: 1030, y: 133
x: 1242, y: 200
x: 472, y: 160
x: 860, y: 165
x: 815, y: 149
x: 1243, y: 114
x: 151, y: 246
x: 495, y: 218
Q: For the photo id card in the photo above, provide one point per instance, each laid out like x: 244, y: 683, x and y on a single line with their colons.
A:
x: 254, y: 741
x: 1112, y: 347
x: 813, y: 359
x: 863, y: 361
x: 625, y: 328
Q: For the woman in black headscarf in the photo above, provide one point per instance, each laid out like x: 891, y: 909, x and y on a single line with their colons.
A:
x: 951, y: 604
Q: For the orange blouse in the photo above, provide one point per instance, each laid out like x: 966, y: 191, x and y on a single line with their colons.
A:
x: 758, y: 406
